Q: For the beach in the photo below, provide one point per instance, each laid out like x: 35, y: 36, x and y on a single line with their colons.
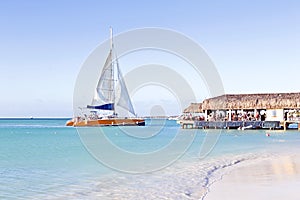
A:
x: 270, y: 178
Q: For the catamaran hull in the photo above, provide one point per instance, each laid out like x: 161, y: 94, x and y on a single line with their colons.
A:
x: 107, y: 122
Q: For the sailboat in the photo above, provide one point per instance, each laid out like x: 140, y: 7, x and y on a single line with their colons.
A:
x: 102, y: 110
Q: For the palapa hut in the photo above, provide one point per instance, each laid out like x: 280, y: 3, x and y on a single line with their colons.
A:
x: 270, y: 107
x: 194, y: 112
x: 194, y: 108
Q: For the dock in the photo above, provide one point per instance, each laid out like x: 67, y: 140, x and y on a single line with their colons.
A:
x: 187, y: 124
x: 271, y: 125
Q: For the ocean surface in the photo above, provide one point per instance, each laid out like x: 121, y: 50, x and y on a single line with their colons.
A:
x: 44, y: 159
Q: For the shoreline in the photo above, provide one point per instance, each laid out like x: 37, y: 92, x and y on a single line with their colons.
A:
x: 274, y: 178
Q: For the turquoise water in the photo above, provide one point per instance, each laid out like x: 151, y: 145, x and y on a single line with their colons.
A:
x: 43, y: 159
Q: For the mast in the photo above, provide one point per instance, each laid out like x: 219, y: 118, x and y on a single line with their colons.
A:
x: 112, y: 71
x: 111, y: 38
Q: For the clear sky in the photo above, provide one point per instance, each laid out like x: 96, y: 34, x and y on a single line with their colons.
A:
x: 255, y: 45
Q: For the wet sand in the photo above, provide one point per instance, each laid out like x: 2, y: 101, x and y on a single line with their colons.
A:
x: 273, y: 178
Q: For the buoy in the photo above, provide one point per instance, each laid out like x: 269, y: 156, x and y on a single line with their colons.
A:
x: 268, y: 134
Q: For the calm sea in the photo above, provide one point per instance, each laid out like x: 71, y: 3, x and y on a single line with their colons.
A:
x: 43, y: 159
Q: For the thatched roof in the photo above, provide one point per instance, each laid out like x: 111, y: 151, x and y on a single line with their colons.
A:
x: 193, y: 108
x: 250, y: 101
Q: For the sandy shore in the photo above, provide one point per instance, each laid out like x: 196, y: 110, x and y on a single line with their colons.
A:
x: 273, y: 178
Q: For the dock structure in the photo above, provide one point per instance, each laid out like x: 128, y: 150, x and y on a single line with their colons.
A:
x: 273, y: 110
x: 187, y: 124
x: 271, y: 125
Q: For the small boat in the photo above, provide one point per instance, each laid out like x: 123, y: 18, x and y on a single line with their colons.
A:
x: 245, y: 127
x: 173, y: 118
x: 102, y: 110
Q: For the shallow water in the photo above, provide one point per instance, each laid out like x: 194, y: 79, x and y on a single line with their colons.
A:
x: 43, y: 159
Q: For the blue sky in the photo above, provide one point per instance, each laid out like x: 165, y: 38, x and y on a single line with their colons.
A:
x: 255, y: 45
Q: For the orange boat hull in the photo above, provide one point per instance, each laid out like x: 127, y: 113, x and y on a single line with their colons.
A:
x: 107, y: 122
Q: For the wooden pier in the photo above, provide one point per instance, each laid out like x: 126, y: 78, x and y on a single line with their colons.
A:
x: 187, y: 124
x: 271, y: 125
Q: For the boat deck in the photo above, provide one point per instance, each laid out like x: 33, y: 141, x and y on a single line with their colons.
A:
x: 107, y: 122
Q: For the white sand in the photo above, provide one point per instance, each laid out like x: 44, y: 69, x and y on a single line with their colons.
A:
x: 272, y: 178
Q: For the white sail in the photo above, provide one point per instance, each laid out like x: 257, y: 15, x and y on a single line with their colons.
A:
x: 124, y: 99
x: 105, y: 88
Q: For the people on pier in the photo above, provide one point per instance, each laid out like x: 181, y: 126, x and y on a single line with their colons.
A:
x: 235, y: 116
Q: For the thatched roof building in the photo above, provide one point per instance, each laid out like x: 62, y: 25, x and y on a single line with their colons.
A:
x: 248, y: 101
x: 193, y: 108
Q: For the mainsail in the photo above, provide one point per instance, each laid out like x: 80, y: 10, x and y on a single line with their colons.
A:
x: 105, y: 94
